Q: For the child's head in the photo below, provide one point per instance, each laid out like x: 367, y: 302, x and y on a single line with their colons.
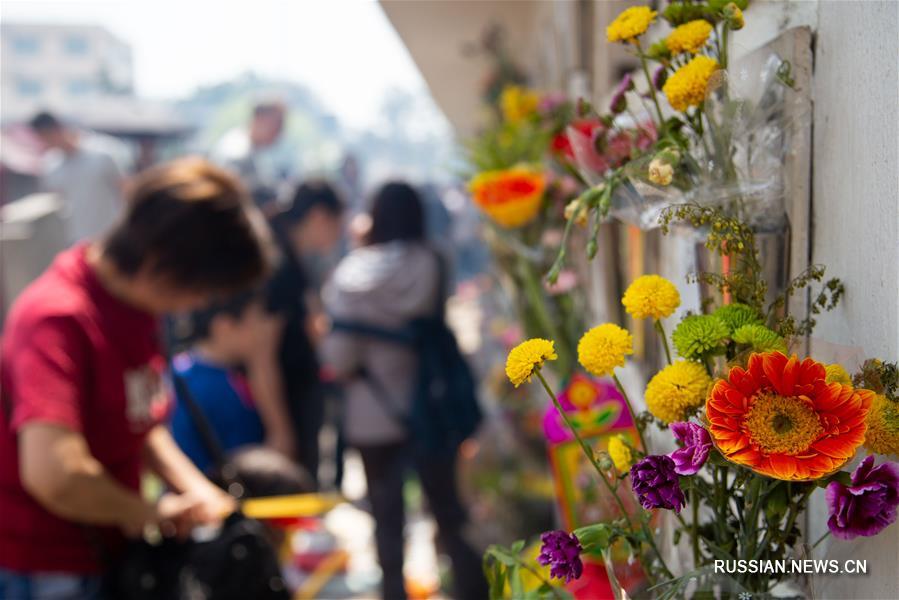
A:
x: 267, y: 472
x: 230, y: 327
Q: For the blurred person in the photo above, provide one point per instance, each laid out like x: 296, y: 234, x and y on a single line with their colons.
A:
x: 240, y: 149
x: 81, y: 390
x: 391, y: 280
x: 83, y: 173
x: 311, y: 224
x: 227, y: 335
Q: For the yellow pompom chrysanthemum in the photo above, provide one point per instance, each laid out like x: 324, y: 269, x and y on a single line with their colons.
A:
x: 526, y: 357
x: 518, y: 103
x: 651, y: 296
x: 689, y: 37
x: 835, y: 373
x: 677, y: 390
x: 603, y: 348
x: 631, y: 23
x: 882, y: 435
x: 620, y: 453
x: 687, y: 86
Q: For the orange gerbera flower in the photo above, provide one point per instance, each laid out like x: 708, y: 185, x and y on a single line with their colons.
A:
x: 511, y: 197
x: 781, y: 418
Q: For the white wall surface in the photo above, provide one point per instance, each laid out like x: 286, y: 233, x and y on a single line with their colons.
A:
x: 855, y: 215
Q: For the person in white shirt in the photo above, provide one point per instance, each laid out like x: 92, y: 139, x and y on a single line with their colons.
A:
x: 84, y: 174
x: 241, y: 148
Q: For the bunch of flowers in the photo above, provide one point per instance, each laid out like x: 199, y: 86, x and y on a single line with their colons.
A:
x: 673, y: 142
x: 758, y: 430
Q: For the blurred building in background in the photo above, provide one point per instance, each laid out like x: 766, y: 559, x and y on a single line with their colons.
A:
x: 61, y: 67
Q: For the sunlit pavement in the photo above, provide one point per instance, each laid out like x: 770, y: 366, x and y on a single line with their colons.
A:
x: 353, y: 529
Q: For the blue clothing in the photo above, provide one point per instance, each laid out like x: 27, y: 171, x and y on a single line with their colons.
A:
x: 224, y: 397
x: 47, y: 586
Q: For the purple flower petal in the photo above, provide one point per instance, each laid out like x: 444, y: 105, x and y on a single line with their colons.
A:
x: 656, y: 485
x: 562, y: 551
x: 868, y: 505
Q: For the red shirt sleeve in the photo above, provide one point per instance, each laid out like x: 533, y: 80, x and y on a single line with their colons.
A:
x: 49, y: 373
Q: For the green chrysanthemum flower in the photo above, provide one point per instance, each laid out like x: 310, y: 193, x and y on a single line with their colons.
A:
x: 737, y: 315
x: 698, y: 335
x: 760, y: 338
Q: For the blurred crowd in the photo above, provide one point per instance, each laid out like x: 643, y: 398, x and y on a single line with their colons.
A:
x: 187, y: 331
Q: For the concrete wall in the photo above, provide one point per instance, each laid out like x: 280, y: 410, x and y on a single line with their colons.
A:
x: 855, y: 216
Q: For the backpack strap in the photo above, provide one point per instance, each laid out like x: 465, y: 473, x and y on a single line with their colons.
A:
x: 208, y: 437
x: 403, y: 337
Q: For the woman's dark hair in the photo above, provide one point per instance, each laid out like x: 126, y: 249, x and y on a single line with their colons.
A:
x: 309, y: 195
x: 396, y: 214
x: 193, y: 224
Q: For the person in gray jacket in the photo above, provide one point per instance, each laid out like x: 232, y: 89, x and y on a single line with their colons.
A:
x: 390, y: 280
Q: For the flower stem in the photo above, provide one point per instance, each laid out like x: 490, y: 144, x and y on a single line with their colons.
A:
x: 652, y: 88
x: 661, y: 329
x: 823, y: 537
x: 694, y: 529
x: 587, y: 449
x: 630, y: 409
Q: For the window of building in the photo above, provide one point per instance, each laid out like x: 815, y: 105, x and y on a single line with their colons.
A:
x: 26, y: 45
x: 76, y: 45
x: 27, y: 86
x: 79, y: 87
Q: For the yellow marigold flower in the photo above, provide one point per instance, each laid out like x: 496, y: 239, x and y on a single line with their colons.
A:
x: 835, y: 373
x: 689, y: 37
x: 620, y: 453
x: 660, y: 172
x: 518, y: 103
x: 651, y: 296
x: 527, y: 356
x: 631, y: 23
x: 687, y: 86
x: 882, y: 435
x: 677, y: 390
x: 510, y: 197
x: 603, y: 348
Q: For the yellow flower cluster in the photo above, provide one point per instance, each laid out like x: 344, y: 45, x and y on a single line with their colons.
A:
x: 527, y: 356
x: 651, y: 296
x: 677, y: 390
x: 835, y: 373
x: 518, y: 103
x: 620, y: 453
x: 689, y: 37
x: 882, y: 435
x: 603, y: 348
x: 687, y: 86
x: 631, y: 23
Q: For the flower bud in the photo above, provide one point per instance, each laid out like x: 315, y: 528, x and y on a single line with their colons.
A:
x: 577, y: 211
x: 734, y: 16
x: 660, y: 172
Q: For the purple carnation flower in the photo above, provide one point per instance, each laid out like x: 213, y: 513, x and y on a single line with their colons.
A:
x: 619, y: 100
x: 655, y: 482
x: 562, y: 551
x: 697, y: 444
x: 868, y: 505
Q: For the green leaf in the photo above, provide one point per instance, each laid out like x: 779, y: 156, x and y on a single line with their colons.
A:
x: 515, y: 582
x: 517, y: 547
x: 594, y: 537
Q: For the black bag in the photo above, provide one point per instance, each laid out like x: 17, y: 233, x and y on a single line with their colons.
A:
x: 444, y: 409
x: 238, y: 563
